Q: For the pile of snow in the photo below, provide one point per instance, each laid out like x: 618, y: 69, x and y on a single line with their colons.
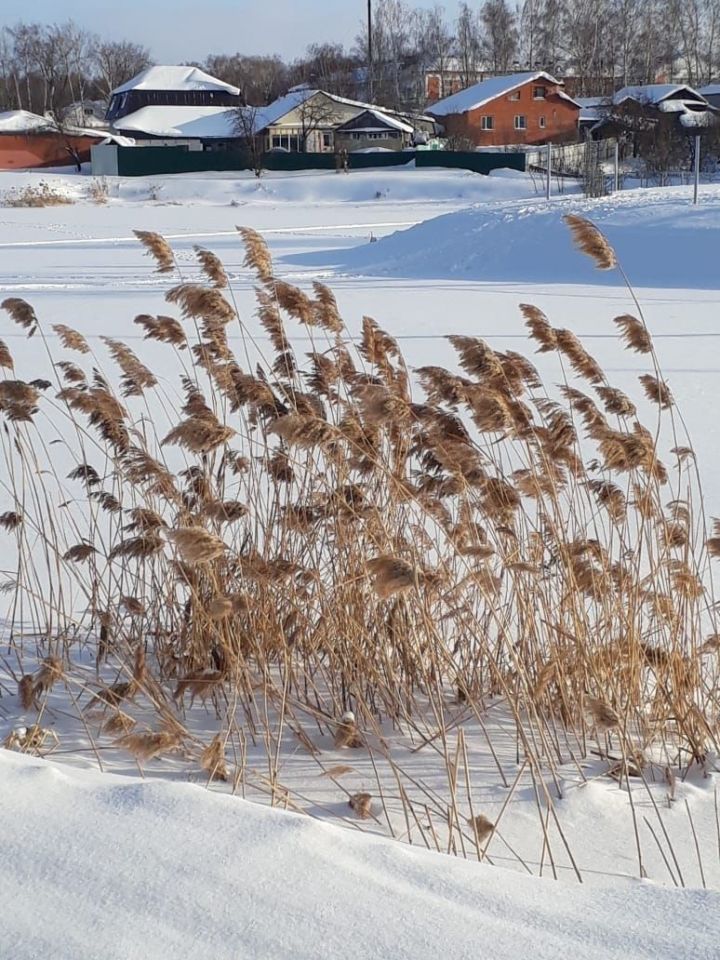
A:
x: 102, y: 866
x: 660, y: 238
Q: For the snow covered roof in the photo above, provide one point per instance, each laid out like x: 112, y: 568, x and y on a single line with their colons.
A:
x: 481, y: 93
x: 175, y: 78
x: 711, y: 90
x: 275, y: 111
x: 593, y: 109
x: 181, y: 122
x: 656, y: 92
x: 381, y: 120
x: 21, y: 121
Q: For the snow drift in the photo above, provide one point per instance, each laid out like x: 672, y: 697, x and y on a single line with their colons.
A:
x: 660, y: 238
x: 110, y: 867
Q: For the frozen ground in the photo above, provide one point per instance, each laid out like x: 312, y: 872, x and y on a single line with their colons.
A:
x: 79, y: 265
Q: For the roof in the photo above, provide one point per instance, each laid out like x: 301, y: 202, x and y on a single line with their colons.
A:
x: 593, y: 109
x: 275, y: 111
x: 382, y: 120
x: 655, y: 93
x: 175, y: 78
x: 711, y: 90
x: 481, y: 93
x: 21, y: 121
x: 181, y: 122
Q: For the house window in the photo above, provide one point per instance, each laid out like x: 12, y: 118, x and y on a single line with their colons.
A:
x: 327, y: 141
x: 541, y: 122
x: 286, y: 143
x: 515, y: 95
x: 487, y: 123
x: 539, y: 93
x: 521, y: 123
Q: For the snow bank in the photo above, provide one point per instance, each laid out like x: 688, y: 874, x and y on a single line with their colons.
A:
x: 403, y: 184
x: 108, y: 867
x: 660, y: 238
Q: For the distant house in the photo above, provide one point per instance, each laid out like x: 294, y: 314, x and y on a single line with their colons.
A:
x: 170, y: 87
x: 89, y: 114
x: 178, y: 106
x: 184, y: 106
x: 307, y: 121
x: 372, y: 129
x: 521, y: 108
x: 592, y: 111
x: 636, y: 110
x: 28, y: 140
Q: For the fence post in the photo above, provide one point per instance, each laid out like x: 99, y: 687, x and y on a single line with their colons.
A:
x: 549, y: 165
x: 617, y: 167
x: 697, y: 169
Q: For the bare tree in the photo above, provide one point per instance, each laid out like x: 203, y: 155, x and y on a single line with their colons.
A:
x: 118, y: 61
x: 500, y: 39
x: 529, y: 33
x: 468, y: 44
x: 439, y: 44
x: 259, y: 79
x: 316, y: 113
x: 328, y: 66
x: 246, y: 125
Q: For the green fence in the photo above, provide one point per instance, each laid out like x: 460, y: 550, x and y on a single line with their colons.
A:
x: 477, y: 162
x: 152, y: 161
x: 155, y: 161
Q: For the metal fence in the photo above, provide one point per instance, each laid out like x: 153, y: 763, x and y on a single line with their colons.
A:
x: 112, y: 160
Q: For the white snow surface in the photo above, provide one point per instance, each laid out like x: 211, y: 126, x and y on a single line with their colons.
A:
x: 175, y: 78
x: 110, y: 867
x: 660, y: 238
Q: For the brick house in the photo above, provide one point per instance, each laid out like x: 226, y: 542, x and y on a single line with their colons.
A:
x: 519, y: 108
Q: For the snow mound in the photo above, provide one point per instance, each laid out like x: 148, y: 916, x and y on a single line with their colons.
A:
x: 101, y: 866
x: 660, y: 238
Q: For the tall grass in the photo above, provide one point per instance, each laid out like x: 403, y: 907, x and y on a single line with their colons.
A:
x: 332, y: 545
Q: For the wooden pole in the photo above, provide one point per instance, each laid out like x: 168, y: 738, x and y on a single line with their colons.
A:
x: 370, y: 50
x: 549, y: 165
x: 697, y: 169
x: 617, y: 166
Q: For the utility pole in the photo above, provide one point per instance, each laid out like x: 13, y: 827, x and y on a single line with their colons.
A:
x: 697, y: 169
x: 370, y: 50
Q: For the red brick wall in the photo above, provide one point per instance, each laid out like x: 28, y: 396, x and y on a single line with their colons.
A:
x: 561, y: 119
x: 18, y: 151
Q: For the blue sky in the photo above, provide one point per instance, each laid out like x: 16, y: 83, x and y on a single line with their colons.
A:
x: 182, y: 29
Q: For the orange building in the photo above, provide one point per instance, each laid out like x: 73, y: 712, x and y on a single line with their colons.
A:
x: 28, y: 140
x: 521, y: 108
